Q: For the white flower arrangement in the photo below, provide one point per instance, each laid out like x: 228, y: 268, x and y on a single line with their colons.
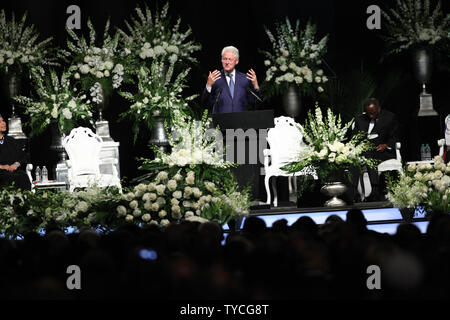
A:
x: 427, y: 185
x: 157, y: 95
x: 193, y: 143
x: 413, y: 23
x: 97, y: 66
x: 57, y: 101
x: 19, y: 49
x: 181, y: 193
x: 295, y: 59
x: 152, y: 36
x: 328, y: 149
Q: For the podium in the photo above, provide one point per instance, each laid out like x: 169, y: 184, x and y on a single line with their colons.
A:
x: 245, y: 136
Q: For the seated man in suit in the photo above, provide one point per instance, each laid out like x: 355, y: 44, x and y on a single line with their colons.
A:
x: 12, y: 161
x: 229, y: 90
x: 381, y: 127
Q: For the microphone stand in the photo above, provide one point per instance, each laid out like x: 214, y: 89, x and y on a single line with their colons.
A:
x: 256, y: 96
x: 217, y: 99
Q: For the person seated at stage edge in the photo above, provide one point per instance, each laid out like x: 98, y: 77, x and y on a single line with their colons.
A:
x: 381, y: 126
x: 12, y: 161
x: 229, y: 90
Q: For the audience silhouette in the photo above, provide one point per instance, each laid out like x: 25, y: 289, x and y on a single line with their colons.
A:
x: 190, y: 260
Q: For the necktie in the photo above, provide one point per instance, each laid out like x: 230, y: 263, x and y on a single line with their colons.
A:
x: 231, y: 85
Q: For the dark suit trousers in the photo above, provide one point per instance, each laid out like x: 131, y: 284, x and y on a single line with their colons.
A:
x: 19, y: 177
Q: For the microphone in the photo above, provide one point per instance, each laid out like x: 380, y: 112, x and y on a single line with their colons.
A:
x: 254, y: 94
x: 217, y: 99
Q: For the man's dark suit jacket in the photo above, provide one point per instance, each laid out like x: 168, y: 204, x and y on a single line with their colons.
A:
x: 386, y: 127
x: 10, y: 153
x: 225, y: 103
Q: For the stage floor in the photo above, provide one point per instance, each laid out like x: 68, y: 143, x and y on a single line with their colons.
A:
x: 379, y: 215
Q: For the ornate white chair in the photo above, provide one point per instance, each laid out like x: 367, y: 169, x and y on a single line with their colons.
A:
x: 285, y: 143
x: 83, y: 148
x: 388, y: 165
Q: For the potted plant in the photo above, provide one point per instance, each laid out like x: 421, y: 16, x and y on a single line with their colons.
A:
x: 293, y: 65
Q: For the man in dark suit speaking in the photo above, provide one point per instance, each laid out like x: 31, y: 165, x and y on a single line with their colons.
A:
x: 381, y: 127
x: 229, y: 90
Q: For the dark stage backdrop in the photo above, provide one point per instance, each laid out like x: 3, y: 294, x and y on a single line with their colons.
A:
x: 351, y: 48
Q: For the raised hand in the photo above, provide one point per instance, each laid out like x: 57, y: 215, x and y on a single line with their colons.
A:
x: 251, y: 75
x: 212, y: 78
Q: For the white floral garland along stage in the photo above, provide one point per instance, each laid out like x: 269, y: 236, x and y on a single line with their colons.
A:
x: 192, y: 183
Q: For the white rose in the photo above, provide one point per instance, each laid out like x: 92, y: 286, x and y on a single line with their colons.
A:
x: 146, y: 217
x: 151, y: 187
x: 177, y: 195
x: 82, y: 206
x: 197, y: 192
x: 162, y: 214
x: 67, y: 114
x: 289, y: 77
x: 174, y: 202
x: 161, y: 201
x: 188, y: 214
x: 145, y: 197
x: 165, y: 222
x: 10, y: 61
x: 187, y: 204
x: 84, y: 69
x: 438, y: 174
x: 162, y: 175
x: 129, y: 196
x: 298, y: 80
x: 155, y: 206
x: 176, y: 212
x: 134, y: 204
x: 72, y: 104
x: 121, y: 210
x: 160, y: 188
x: 283, y: 67
x: 267, y: 63
x: 210, y: 186
x: 190, y: 180
x: 148, y: 205
x: 129, y: 218
x: 172, y: 185
x: 137, y: 212
x: 109, y: 65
